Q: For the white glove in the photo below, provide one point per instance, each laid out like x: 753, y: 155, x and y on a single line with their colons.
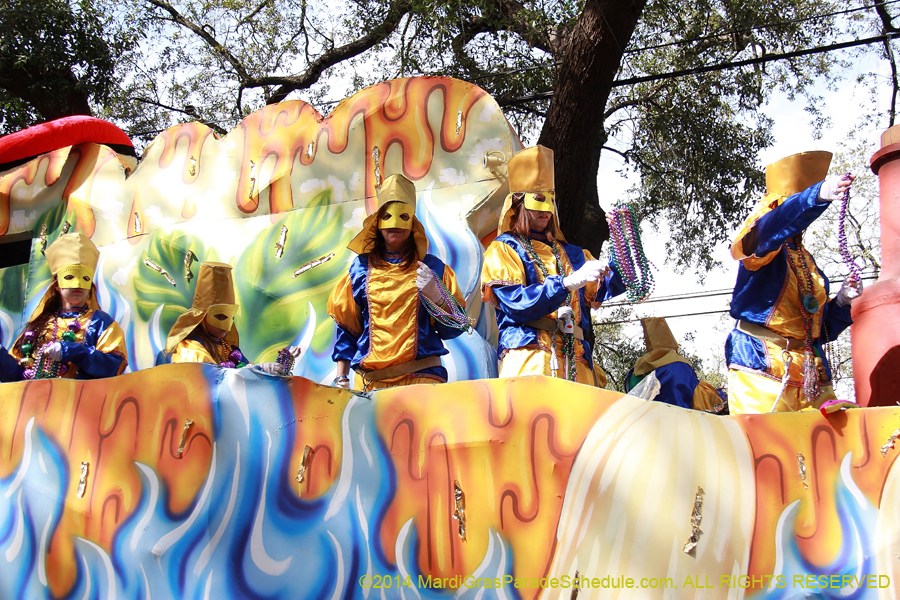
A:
x: 426, y: 284
x: 833, y: 188
x: 272, y: 368
x: 53, y: 351
x: 850, y: 290
x: 592, y: 270
x: 341, y: 381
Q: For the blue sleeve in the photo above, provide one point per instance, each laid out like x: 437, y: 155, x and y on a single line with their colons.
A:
x: 677, y: 382
x: 836, y: 319
x: 525, y: 303
x: 788, y: 219
x: 611, y: 286
x: 91, y: 361
x: 344, y: 345
x: 9, y: 367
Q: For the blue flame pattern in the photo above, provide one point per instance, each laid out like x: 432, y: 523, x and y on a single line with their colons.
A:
x: 247, y: 534
x: 856, y: 558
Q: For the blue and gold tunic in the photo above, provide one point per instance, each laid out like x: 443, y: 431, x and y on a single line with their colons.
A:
x: 516, y: 287
x: 381, y: 322
x: 767, y: 293
x: 99, y: 349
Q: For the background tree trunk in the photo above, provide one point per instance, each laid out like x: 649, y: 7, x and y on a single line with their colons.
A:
x: 574, y: 125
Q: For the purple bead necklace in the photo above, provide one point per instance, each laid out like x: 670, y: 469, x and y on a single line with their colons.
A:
x: 842, y: 236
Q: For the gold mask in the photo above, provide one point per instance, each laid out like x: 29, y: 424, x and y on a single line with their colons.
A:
x: 75, y: 276
x: 397, y: 215
x: 540, y: 201
x: 221, y: 315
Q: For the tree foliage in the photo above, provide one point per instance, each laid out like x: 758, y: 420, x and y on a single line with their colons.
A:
x: 581, y: 76
x: 57, y: 58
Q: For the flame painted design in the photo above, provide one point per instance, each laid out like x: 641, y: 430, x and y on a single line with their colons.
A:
x: 513, y: 486
x: 557, y: 477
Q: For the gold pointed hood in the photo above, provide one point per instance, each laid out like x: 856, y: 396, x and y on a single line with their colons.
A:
x: 71, y: 249
x: 662, y: 349
x: 214, y: 286
x: 396, y: 188
x: 530, y: 171
x: 784, y: 178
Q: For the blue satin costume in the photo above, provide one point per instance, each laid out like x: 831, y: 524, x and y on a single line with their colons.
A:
x: 678, y: 382
x: 766, y: 290
x: 520, y: 304
x: 355, y: 347
x: 90, y: 361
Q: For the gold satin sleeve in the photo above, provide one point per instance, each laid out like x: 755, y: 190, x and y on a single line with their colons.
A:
x: 191, y: 351
x: 751, y: 261
x: 343, y: 308
x: 706, y: 397
x: 502, y: 266
x: 112, y: 341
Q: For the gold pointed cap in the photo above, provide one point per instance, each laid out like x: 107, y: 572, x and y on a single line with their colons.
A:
x: 662, y: 349
x: 214, y: 286
x: 531, y: 170
x: 395, y: 188
x: 657, y: 335
x: 71, y: 249
x: 795, y: 173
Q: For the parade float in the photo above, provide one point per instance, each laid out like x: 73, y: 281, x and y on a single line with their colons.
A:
x: 196, y: 481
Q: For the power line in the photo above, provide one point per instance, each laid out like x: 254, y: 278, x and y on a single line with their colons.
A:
x: 754, y: 28
x: 708, y: 312
x: 686, y: 297
x: 694, y: 40
x: 717, y: 67
x: 709, y: 294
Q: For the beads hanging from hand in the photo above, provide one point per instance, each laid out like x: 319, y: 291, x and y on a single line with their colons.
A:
x: 452, y: 315
x: 628, y: 253
x: 842, y: 236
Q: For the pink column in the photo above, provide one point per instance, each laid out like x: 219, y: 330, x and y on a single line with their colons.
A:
x: 876, y: 313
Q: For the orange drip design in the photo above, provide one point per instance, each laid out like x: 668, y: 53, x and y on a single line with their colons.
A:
x: 26, y: 175
x: 195, y: 135
x: 318, y: 411
x: 111, y: 424
x: 515, y: 486
x: 394, y: 112
x: 774, y: 444
x: 91, y: 162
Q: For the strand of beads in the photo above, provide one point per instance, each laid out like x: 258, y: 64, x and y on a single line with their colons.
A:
x: 235, y: 359
x: 842, y: 236
x: 454, y: 315
x: 809, y: 307
x: 568, y: 346
x: 42, y: 366
x: 628, y: 254
x: 833, y: 353
x: 287, y: 358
